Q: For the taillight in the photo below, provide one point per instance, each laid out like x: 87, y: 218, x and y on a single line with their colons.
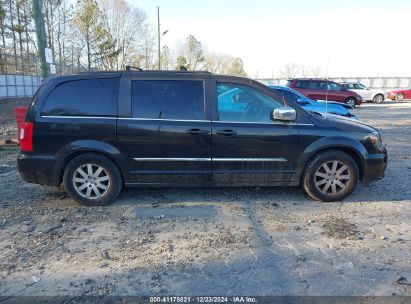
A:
x: 26, y: 137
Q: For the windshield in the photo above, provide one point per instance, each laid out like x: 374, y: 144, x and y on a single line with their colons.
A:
x: 360, y: 86
x: 290, y: 94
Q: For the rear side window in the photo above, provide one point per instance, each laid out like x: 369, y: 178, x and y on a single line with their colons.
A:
x: 86, y: 97
x: 314, y: 85
x: 168, y: 99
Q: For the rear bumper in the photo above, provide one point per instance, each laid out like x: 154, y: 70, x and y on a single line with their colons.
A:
x: 374, y: 166
x: 38, y: 169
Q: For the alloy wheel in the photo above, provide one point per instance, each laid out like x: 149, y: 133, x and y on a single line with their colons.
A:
x: 399, y: 97
x: 91, y: 181
x: 351, y: 102
x: 379, y: 98
x: 332, y: 177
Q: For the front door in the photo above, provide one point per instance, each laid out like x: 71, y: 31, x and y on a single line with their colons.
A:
x: 248, y: 147
x: 167, y: 139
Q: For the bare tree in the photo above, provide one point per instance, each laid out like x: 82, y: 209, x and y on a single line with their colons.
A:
x: 316, y: 71
x: 129, y: 27
x: 193, y: 52
x: 102, y: 34
x: 290, y: 70
x: 224, y: 64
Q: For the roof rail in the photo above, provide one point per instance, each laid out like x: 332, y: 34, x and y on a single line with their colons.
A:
x: 130, y: 67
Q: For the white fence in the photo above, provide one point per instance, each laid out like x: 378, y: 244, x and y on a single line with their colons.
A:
x: 386, y: 83
x: 18, y: 85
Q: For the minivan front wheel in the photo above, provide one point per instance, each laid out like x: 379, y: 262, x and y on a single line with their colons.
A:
x: 92, y: 180
x: 330, y: 176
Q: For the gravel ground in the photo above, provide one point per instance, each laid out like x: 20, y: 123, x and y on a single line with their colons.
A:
x: 245, y: 241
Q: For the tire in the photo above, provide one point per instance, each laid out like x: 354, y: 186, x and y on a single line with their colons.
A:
x: 92, y: 180
x: 379, y: 98
x: 315, y: 172
x: 350, y: 101
x: 399, y: 97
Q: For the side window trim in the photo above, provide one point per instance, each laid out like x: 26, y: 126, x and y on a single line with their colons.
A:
x: 124, y: 96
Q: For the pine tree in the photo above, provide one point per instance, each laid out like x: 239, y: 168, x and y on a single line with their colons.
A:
x: 99, y: 43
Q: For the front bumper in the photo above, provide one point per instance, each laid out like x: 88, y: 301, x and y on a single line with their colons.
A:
x: 38, y: 169
x: 374, y: 166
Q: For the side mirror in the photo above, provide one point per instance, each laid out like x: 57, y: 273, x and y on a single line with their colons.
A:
x: 284, y: 114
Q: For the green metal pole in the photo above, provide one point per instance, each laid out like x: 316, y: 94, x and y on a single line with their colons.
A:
x: 158, y: 33
x: 41, y: 36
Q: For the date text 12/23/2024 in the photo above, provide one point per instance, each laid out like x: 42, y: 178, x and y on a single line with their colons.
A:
x: 205, y: 299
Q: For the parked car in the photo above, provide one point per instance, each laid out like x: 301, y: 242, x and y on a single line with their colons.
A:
x: 97, y: 132
x: 325, y: 89
x: 367, y: 94
x: 320, y: 106
x: 399, y: 95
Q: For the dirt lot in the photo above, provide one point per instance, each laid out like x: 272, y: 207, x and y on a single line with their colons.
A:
x: 255, y: 241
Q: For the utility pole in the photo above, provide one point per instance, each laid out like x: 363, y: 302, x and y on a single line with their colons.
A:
x: 41, y: 36
x: 158, y: 32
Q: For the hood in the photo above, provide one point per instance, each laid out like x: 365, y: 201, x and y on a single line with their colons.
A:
x: 332, y: 118
x: 329, y: 109
x: 347, y: 106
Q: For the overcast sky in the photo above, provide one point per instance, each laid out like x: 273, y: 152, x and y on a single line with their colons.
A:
x: 357, y: 37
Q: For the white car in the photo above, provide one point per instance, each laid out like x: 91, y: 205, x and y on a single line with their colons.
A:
x: 367, y: 94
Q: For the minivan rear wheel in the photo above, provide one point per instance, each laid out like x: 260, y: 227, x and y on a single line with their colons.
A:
x: 330, y: 176
x: 92, y: 180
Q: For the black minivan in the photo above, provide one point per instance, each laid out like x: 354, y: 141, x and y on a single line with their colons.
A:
x: 98, y: 132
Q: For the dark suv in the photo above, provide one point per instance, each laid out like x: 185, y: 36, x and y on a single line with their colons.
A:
x: 325, y: 90
x: 98, y: 132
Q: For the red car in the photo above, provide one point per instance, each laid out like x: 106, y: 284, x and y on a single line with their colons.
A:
x: 325, y: 90
x: 399, y: 95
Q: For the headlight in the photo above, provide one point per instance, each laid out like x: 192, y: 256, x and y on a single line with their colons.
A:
x: 374, y: 138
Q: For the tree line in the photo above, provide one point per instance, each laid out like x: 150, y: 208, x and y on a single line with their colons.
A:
x: 103, y: 35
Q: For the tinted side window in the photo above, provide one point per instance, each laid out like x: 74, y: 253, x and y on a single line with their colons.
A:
x: 290, y: 95
x: 287, y: 94
x: 86, y: 97
x: 242, y: 103
x: 168, y: 99
x: 314, y: 85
